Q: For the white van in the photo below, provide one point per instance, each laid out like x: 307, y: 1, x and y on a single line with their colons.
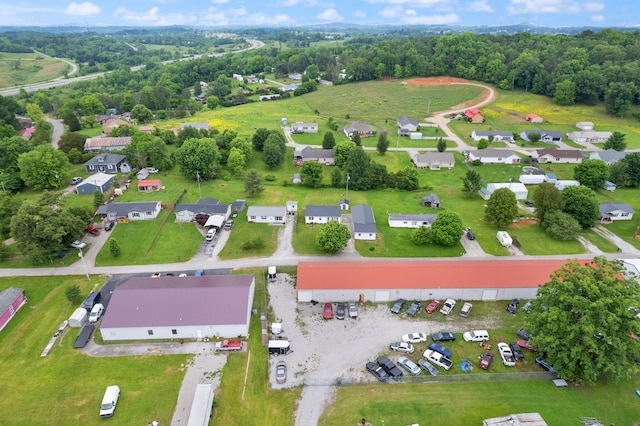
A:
x: 96, y: 312
x: 109, y: 401
x: 476, y: 336
x: 211, y: 233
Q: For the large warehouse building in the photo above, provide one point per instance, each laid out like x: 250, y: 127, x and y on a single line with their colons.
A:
x: 180, y: 308
x: 422, y: 280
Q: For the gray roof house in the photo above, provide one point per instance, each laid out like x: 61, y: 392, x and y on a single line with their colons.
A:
x: 589, y: 136
x: 322, y: 213
x: 131, y: 211
x: 407, y: 125
x: 267, y: 214
x: 398, y: 220
x: 615, y: 211
x: 97, y: 182
x: 609, y: 156
x: 238, y: 205
x: 197, y: 126
x: 434, y: 160
x: 431, y: 200
x: 300, y: 127
x: 209, y: 206
x: 546, y: 136
x: 498, y: 136
x: 107, y: 144
x: 364, y: 223
x: 322, y: 156
x: 363, y: 129
x: 553, y: 155
x: 108, y: 163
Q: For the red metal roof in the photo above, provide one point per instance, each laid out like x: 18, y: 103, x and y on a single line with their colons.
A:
x: 149, y: 182
x: 426, y: 274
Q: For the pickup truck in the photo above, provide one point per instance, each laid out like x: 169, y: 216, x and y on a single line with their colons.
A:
x: 229, y: 345
x: 438, y: 359
x: 506, y: 355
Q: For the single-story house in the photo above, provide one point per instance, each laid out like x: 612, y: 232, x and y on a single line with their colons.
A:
x: 585, y: 126
x: 400, y: 220
x: 431, y: 200
x: 149, y: 185
x: 407, y: 125
x: 238, y: 205
x: 529, y: 179
x: 108, y: 163
x: 103, y: 118
x: 107, y: 144
x: 590, y: 136
x: 492, y: 135
x: 364, y: 223
x: 565, y: 183
x: 493, y: 156
x: 267, y: 214
x: 289, y: 87
x: 434, y: 160
x: 615, y: 211
x: 97, y: 182
x: 130, y: 211
x: 609, y: 156
x: 197, y: 126
x: 609, y: 186
x: 11, y: 300
x: 295, y: 76
x: 322, y: 156
x: 546, y: 136
x: 209, y: 206
x: 296, y: 178
x: 322, y: 213
x: 554, y: 155
x: 521, y: 191
x: 534, y: 118
x: 109, y: 125
x: 363, y: 129
x: 300, y: 127
x: 27, y: 133
x: 383, y: 281
x: 210, y: 306
x: 268, y: 97
x: 147, y: 129
x: 474, y: 115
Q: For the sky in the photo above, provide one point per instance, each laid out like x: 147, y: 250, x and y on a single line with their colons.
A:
x: 289, y: 13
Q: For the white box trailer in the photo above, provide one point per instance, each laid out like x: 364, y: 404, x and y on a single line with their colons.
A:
x: 504, y: 238
x: 78, y: 318
x: 271, y: 271
x: 415, y: 135
x: 200, y: 413
x: 531, y: 179
x: 279, y: 347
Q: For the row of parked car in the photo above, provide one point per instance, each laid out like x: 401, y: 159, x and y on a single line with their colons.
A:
x: 341, y: 310
x: 445, y: 308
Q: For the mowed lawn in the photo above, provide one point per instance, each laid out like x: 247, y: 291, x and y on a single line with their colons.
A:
x: 66, y: 387
x: 17, y: 69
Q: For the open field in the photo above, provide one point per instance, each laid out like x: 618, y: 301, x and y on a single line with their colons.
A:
x: 17, y: 69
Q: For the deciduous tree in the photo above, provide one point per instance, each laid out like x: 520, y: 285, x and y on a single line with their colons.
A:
x: 10, y: 151
x: 70, y: 140
x: 333, y: 236
x: 253, y: 183
x: 561, y: 225
x: 341, y: 152
x: 421, y: 236
x: 236, y: 161
x: 581, y: 203
x: 72, y: 293
x: 502, y: 207
x: 355, y: 138
x: 311, y: 174
x: 337, y: 180
x: 447, y: 228
x: 43, y: 168
x: 383, y: 143
x: 471, y: 183
x: 547, y: 198
x: 358, y: 169
x: 141, y: 114
x: 591, y: 173
x: 273, y: 151
x: 198, y: 157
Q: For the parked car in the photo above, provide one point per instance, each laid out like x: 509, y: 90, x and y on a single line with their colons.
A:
x: 512, y: 307
x: 466, y: 308
x: 109, y: 226
x: 388, y: 365
x: 435, y: 304
x: 409, y: 365
x: 427, y: 366
x: 517, y: 353
x: 76, y: 180
x: 507, y: 356
x: 485, y: 360
x: 527, y: 306
x: 523, y: 334
x: 414, y: 338
x: 476, y: 336
x: 525, y: 344
x: 152, y: 170
x: 443, y: 336
x: 404, y: 347
x: 414, y: 308
x: 439, y: 348
x: 528, y: 203
x: 328, y: 310
x: 340, y: 311
x: 447, y: 307
x: 397, y: 307
x: 542, y: 362
x: 93, y: 231
x: 281, y: 372
x: 470, y: 235
x: 378, y: 371
x: 438, y: 359
x: 78, y: 244
x: 353, y: 310
x: 156, y: 275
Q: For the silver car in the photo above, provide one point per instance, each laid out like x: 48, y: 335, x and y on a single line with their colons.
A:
x: 409, y: 365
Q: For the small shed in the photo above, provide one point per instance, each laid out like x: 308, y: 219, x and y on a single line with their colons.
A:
x: 100, y: 182
x: 149, y: 185
x: 142, y: 174
x: 296, y: 178
x: 609, y: 186
x: 550, y: 177
x: 431, y: 200
x: 534, y: 118
x: 11, y: 300
x: 78, y: 318
x: 292, y: 207
x: 344, y: 204
x: 585, y: 126
x: 238, y: 206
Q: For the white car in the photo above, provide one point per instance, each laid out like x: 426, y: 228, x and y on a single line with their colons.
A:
x: 506, y: 354
x: 152, y: 170
x: 409, y: 365
x: 476, y: 336
x: 466, y: 308
x: 414, y: 338
x: 96, y: 312
x: 447, y: 307
x: 402, y: 347
x: 78, y: 244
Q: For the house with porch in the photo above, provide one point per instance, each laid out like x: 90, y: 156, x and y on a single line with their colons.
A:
x: 492, y: 135
x: 124, y: 212
x: 107, y: 144
x: 322, y: 213
x: 363, y: 129
x: 546, y: 136
x: 434, y: 160
x: 554, y: 155
x: 108, y: 163
x: 493, y: 156
x: 267, y: 214
x: 149, y: 185
x: 208, y: 206
x: 612, y: 211
x: 364, y: 223
x: 300, y: 127
x: 322, y: 156
x: 400, y: 220
x: 407, y: 125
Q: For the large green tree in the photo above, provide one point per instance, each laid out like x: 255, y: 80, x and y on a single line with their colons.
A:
x: 582, y: 319
x: 619, y: 96
x: 471, y: 183
x: 632, y: 163
x: 357, y: 167
x: 447, y: 228
x: 141, y: 114
x: 311, y: 174
x: 342, y: 151
x: 328, y: 141
x: 616, y: 142
x: 70, y: 140
x: 383, y: 143
x: 198, y: 157
x: 10, y: 151
x: 236, y: 161
x: 547, y: 198
x: 273, y: 151
x: 253, y: 183
x: 565, y: 93
x: 9, y: 205
x: 43, y: 168
x: 333, y: 236
x: 502, y: 207
x: 581, y: 203
x: 591, y: 173
x: 259, y: 137
x: 561, y: 225
x: 618, y: 174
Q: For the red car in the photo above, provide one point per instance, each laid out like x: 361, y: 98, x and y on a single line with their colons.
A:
x: 485, y: 361
x: 433, y: 306
x: 328, y: 310
x: 93, y: 231
x: 525, y: 344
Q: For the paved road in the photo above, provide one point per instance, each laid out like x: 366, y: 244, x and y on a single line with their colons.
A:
x: 58, y: 131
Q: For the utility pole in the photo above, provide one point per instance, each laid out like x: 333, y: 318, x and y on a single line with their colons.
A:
x: 83, y: 265
x: 429, y: 108
x: 57, y: 177
x: 199, y: 190
x: 347, y: 196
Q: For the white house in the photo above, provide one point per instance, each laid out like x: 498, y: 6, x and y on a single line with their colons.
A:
x: 496, y: 136
x: 589, y: 136
x: 493, y: 156
x: 211, y: 306
x: 407, y: 125
x: 585, y: 126
x: 364, y: 223
x: 546, y: 136
x: 615, y: 211
x: 434, y: 160
x: 131, y: 211
x: 300, y: 127
x: 554, y: 155
x: 322, y: 213
x: 208, y: 206
x: 399, y: 220
x: 521, y: 191
x: 267, y: 214
x: 562, y: 184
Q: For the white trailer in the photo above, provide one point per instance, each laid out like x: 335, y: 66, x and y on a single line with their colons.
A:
x: 504, y: 238
x: 201, y: 406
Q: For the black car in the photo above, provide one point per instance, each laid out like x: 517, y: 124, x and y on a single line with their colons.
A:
x: 542, y: 362
x: 414, y: 308
x: 471, y: 235
x: 397, y: 307
x: 340, y: 311
x: 388, y: 365
x: 377, y: 370
x: 443, y: 336
x: 512, y: 307
x: 523, y: 334
x: 109, y: 226
x: 517, y: 353
x: 529, y: 203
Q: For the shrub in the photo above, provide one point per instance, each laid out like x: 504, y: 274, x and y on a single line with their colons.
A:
x: 270, y: 178
x: 476, y: 162
x: 256, y: 243
x: 72, y: 293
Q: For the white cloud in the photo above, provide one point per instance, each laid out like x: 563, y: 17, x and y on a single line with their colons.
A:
x: 415, y: 3
x: 215, y: 17
x: 330, y: 15
x: 219, y: 1
x: 82, y: 9
x: 152, y: 17
x: 479, y: 6
x: 450, y: 18
x: 592, y: 6
x: 359, y: 14
x: 392, y: 12
x: 597, y: 18
x: 543, y: 6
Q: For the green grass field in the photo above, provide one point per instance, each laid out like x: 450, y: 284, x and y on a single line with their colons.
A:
x: 18, y: 69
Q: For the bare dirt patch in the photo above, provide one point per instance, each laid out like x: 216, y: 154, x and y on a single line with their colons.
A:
x: 487, y: 95
x: 436, y: 81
